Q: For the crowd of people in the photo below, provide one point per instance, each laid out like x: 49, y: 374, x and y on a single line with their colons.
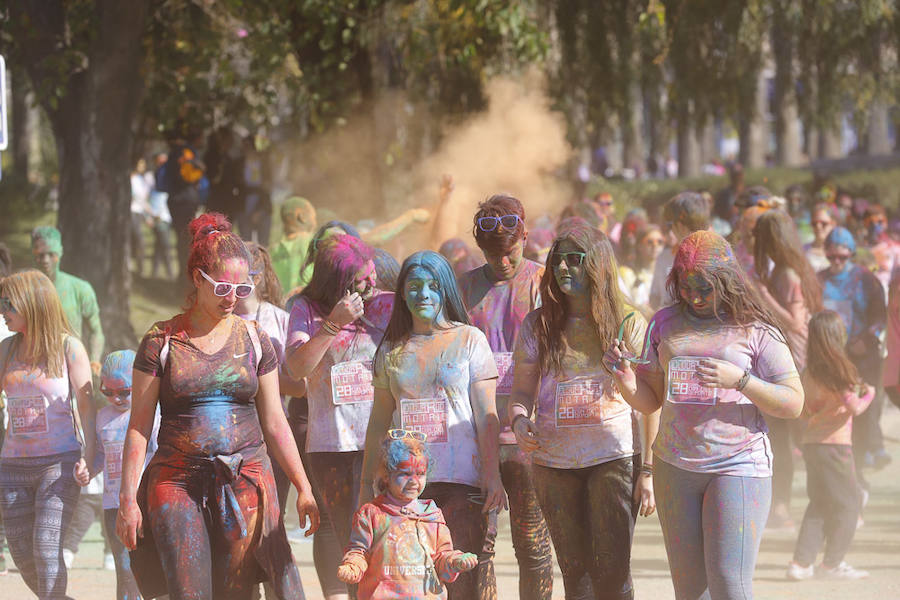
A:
x: 580, y: 372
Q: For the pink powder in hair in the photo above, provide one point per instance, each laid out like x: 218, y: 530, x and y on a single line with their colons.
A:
x: 704, y: 250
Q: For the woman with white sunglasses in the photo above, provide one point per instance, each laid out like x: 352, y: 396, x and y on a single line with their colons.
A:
x: 205, y: 521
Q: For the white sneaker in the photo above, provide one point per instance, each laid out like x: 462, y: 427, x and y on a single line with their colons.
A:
x: 865, y: 497
x: 797, y: 573
x: 842, y: 571
x: 109, y: 563
x: 68, y: 558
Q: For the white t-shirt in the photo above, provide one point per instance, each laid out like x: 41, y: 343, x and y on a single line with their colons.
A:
x: 111, y: 426
x: 430, y: 377
x: 339, y: 388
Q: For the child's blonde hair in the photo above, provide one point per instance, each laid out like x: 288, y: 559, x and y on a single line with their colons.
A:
x: 826, y: 357
x: 394, y: 452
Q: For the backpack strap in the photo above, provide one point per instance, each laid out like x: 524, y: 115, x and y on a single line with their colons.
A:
x: 253, y: 332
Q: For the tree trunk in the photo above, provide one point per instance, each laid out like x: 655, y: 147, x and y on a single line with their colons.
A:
x: 829, y: 142
x: 688, y: 144
x: 787, y: 122
x: 879, y: 142
x: 19, y: 132
x: 752, y: 126
x: 93, y: 128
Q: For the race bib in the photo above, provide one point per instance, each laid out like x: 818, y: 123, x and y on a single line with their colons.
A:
x: 504, y: 361
x: 684, y: 382
x: 429, y: 415
x: 351, y: 383
x: 27, y: 415
x: 112, y: 469
x: 586, y: 402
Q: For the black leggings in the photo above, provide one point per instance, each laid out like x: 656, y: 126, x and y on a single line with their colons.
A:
x: 591, y: 514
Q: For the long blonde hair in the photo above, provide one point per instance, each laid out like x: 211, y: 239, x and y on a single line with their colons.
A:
x: 33, y: 296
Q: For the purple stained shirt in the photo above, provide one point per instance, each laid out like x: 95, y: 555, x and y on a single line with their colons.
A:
x: 339, y: 387
x: 713, y: 431
x: 581, y: 418
x: 41, y: 421
x: 498, y: 308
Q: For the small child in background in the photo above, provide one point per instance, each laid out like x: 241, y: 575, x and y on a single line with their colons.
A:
x: 112, y: 424
x: 400, y: 546
x: 834, y: 395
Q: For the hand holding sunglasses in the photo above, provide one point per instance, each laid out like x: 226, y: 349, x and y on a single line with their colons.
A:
x: 223, y: 288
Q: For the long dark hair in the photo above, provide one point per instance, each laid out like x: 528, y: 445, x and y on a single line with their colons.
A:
x: 709, y: 256
x: 826, y: 357
x: 338, y: 260
x: 607, y: 304
x: 776, y: 238
x: 400, y: 325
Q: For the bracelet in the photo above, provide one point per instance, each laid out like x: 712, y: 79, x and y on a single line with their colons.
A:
x: 742, y: 382
x: 330, y: 328
x: 647, y: 469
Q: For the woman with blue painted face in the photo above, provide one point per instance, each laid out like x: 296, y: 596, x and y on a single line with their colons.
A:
x: 434, y: 373
x: 568, y: 414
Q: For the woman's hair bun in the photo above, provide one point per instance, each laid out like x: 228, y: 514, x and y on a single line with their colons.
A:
x: 207, y: 224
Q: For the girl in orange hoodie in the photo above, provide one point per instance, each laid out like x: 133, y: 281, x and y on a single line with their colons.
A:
x: 400, y: 546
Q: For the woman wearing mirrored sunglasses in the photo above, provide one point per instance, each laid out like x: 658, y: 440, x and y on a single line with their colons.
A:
x: 205, y: 521
x: 435, y: 373
x: 46, y: 376
x: 567, y: 414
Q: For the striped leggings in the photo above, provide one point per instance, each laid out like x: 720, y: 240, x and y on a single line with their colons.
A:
x: 37, y: 499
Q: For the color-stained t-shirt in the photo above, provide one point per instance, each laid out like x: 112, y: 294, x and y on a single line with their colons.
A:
x: 288, y: 256
x: 787, y: 289
x: 498, y: 308
x: 207, y: 401
x: 636, y: 284
x: 816, y: 257
x: 710, y: 430
x: 40, y: 408
x: 111, y: 427
x: 581, y: 418
x: 340, y: 388
x: 828, y: 414
x: 79, y: 302
x: 274, y: 321
x: 430, y: 377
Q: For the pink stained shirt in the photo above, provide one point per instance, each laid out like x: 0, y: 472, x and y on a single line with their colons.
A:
x: 581, y: 417
x: 498, y: 308
x: 713, y: 431
x: 339, y: 387
x: 829, y: 413
x: 40, y: 408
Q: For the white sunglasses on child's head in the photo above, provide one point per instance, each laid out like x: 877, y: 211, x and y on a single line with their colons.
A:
x: 223, y: 288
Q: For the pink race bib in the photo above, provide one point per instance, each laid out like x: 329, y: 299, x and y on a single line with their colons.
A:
x: 351, y: 382
x: 428, y: 415
x: 27, y: 415
x: 684, y: 382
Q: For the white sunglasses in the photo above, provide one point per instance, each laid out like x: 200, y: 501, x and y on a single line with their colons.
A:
x: 223, y: 288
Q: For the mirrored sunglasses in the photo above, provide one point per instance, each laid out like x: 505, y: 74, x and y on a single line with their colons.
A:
x: 491, y: 223
x: 573, y: 259
x: 399, y: 434
x: 223, y: 288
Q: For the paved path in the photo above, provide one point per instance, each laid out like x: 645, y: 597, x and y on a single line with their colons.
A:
x: 876, y: 549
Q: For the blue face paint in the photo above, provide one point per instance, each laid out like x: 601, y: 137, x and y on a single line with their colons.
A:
x: 423, y: 295
x: 118, y: 365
